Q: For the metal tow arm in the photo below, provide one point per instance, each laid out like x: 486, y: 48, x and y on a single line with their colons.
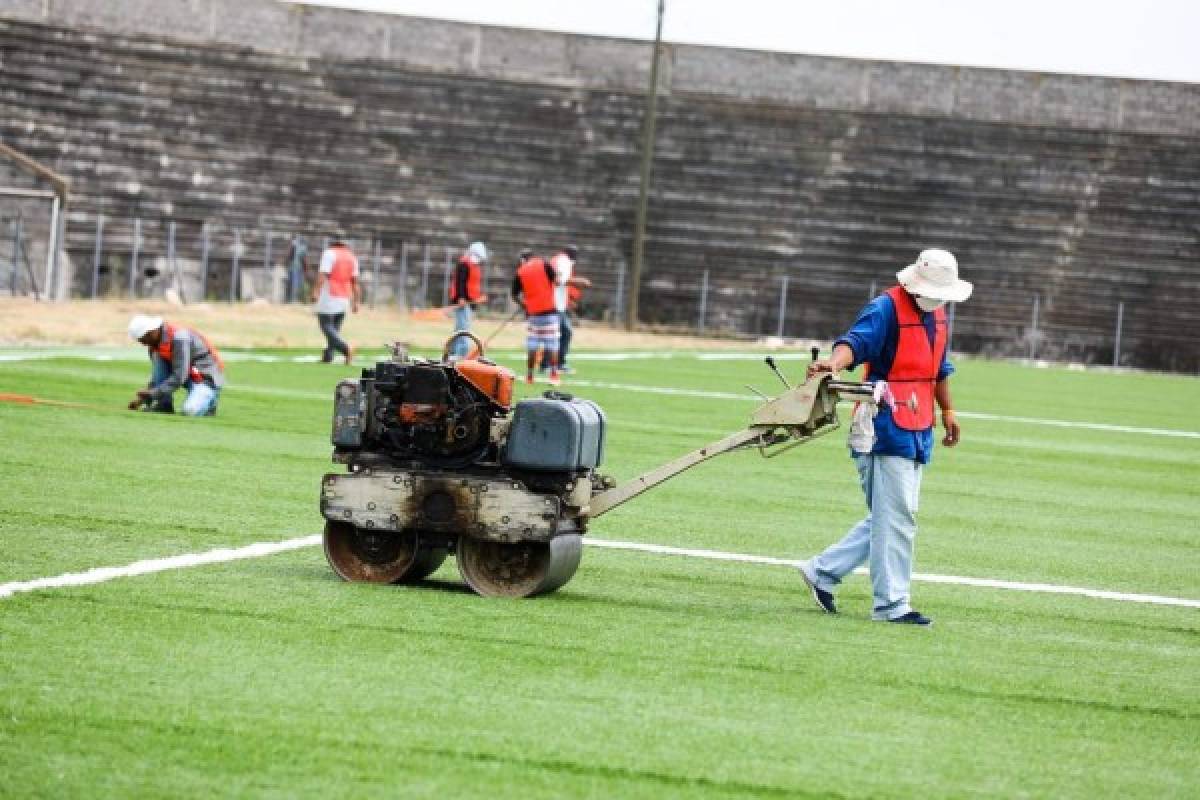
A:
x: 799, y: 415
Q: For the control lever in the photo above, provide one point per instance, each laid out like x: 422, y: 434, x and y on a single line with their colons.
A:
x: 771, y: 363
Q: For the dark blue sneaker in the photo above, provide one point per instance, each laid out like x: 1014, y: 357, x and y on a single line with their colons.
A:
x: 822, y: 598
x: 912, y: 618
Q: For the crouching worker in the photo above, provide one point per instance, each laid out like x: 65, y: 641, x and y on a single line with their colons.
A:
x: 180, y: 357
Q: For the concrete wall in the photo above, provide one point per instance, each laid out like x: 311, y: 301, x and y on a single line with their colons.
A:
x: 1030, y: 98
x: 1078, y: 194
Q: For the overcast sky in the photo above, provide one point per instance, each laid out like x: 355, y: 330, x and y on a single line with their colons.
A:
x: 1155, y: 39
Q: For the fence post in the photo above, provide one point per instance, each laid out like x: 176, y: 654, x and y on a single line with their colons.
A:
x: 16, y: 255
x: 175, y: 273
x: 99, y: 253
x: 289, y: 271
x: 871, y: 291
x: 24, y: 258
x: 61, y: 290
x: 375, y: 278
x: 269, y: 236
x: 1117, y: 344
x: 1033, y: 335
x: 204, y: 260
x: 703, y: 300
x: 619, y: 296
x: 402, y: 284
x: 425, y: 266
x: 133, y: 258
x: 52, y: 251
x: 235, y: 272
x: 510, y: 303
x: 782, y: 305
x: 447, y: 276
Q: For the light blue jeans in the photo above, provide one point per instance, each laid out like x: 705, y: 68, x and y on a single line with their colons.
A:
x: 884, y: 537
x: 462, y: 322
x: 201, y: 397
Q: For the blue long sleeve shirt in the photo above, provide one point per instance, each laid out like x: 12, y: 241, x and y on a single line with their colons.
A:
x: 873, y: 337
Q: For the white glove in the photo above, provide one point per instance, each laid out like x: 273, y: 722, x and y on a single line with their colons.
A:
x: 861, y: 438
x: 862, y: 428
x: 884, y: 396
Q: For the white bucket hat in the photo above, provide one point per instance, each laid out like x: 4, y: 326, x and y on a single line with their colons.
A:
x: 141, y: 324
x: 478, y: 251
x: 935, y: 275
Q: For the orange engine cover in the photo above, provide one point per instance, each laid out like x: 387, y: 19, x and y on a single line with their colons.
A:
x: 494, y: 381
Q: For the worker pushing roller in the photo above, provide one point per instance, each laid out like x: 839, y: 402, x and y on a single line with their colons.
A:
x: 901, y: 338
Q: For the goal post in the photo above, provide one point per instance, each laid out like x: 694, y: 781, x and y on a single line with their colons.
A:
x: 33, y: 200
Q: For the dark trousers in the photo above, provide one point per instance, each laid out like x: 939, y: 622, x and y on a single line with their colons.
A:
x: 331, y: 324
x: 564, y: 337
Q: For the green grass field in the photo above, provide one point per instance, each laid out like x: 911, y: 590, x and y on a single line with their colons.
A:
x: 646, y: 676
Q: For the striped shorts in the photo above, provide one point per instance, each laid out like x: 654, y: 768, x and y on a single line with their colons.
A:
x: 541, y: 331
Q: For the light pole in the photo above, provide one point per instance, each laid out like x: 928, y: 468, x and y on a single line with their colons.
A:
x: 639, y: 232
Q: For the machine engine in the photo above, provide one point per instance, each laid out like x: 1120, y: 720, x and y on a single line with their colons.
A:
x: 431, y: 413
x: 441, y: 461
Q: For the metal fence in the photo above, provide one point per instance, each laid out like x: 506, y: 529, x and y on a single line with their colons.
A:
x: 205, y: 260
x: 25, y: 242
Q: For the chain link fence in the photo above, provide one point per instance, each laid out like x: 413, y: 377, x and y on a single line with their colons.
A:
x: 202, y: 260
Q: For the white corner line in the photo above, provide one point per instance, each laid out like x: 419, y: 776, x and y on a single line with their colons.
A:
x: 259, y: 549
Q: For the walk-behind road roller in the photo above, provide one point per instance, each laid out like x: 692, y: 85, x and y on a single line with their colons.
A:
x: 440, y: 461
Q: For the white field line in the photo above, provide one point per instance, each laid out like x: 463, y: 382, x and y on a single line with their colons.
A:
x: 102, y: 574
x: 1091, y: 426
x: 132, y: 355
x: 990, y: 583
x: 1057, y: 423
x: 135, y: 355
x: 259, y: 549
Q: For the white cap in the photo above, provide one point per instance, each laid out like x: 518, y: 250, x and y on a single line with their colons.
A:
x: 477, y: 251
x: 141, y: 324
x: 935, y: 275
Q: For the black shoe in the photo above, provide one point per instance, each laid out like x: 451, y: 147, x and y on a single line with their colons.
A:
x: 822, y: 598
x: 912, y: 618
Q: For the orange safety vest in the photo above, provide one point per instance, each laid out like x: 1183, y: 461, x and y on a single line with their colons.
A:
x: 537, y: 290
x: 574, y: 295
x: 474, y: 281
x: 341, y: 277
x: 914, y: 371
x: 166, y: 349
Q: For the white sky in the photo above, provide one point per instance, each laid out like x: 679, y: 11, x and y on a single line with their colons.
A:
x: 1153, y: 39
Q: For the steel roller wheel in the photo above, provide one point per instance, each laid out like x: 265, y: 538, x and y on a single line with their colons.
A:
x: 357, y: 554
x: 521, y: 569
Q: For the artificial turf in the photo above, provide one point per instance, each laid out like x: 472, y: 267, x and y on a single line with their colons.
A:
x: 646, y: 676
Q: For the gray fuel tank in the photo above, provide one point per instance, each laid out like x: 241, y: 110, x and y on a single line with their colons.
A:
x: 555, y: 435
x: 349, y: 412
